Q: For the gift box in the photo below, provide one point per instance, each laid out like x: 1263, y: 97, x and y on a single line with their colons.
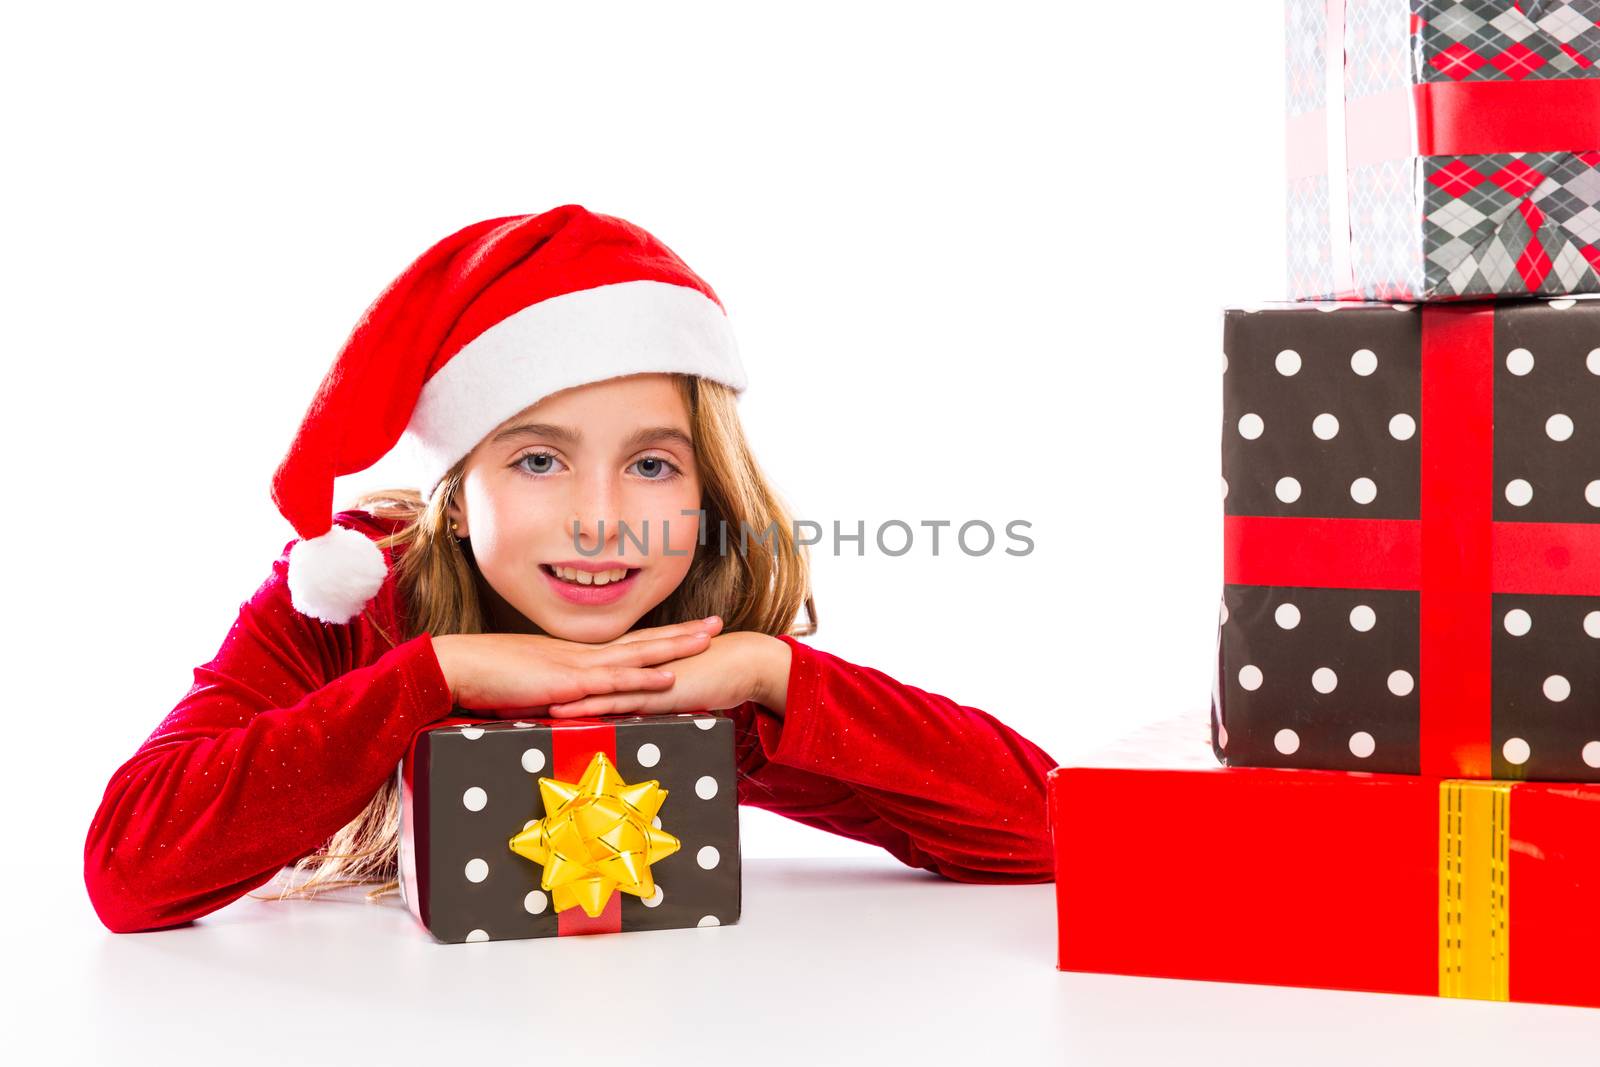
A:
x: 1411, y: 551
x: 1450, y: 148
x: 554, y: 827
x: 1170, y: 866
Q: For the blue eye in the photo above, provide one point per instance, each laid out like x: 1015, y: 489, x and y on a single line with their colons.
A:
x: 659, y: 464
x: 521, y: 462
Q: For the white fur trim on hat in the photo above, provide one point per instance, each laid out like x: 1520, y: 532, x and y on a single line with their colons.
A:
x: 332, y: 576
x: 580, y: 337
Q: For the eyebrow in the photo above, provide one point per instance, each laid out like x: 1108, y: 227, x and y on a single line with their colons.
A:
x: 569, y: 436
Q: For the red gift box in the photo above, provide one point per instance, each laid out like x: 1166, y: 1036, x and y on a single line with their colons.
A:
x: 1174, y: 867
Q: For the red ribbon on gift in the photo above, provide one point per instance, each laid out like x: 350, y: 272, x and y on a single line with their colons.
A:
x: 573, y: 743
x: 1536, y: 115
x: 1456, y: 554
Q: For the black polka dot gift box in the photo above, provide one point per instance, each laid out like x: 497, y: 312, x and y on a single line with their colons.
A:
x: 1411, y: 539
x: 557, y: 827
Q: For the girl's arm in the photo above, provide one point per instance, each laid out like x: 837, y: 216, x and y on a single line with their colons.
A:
x: 283, y: 739
x: 941, y: 786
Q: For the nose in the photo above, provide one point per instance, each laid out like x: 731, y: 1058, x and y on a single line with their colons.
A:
x: 592, y: 526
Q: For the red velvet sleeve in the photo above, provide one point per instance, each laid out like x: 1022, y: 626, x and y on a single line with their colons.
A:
x: 285, y: 736
x: 939, y: 785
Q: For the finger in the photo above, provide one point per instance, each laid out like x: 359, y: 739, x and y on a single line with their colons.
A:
x: 611, y: 704
x: 527, y: 711
x: 712, y: 624
x: 579, y: 682
x: 647, y: 653
x: 603, y: 681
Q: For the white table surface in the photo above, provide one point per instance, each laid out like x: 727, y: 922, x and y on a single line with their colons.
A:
x: 833, y: 960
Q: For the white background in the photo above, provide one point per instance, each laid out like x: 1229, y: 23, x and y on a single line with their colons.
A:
x: 975, y: 256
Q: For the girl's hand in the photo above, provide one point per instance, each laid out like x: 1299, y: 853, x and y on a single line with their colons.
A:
x: 525, y: 672
x: 736, y: 667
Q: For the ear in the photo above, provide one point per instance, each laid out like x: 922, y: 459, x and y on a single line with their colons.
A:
x: 457, y: 515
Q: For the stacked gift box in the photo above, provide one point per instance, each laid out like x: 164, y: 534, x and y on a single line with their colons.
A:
x: 1400, y: 790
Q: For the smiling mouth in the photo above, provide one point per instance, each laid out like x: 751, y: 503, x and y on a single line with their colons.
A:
x: 592, y: 578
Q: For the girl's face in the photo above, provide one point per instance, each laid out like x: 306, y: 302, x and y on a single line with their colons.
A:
x: 615, y: 452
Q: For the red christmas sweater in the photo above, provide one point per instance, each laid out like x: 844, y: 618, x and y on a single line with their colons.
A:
x: 293, y: 726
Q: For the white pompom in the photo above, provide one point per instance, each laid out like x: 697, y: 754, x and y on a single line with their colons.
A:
x: 331, y: 577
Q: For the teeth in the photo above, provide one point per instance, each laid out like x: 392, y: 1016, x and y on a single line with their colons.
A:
x: 590, y: 578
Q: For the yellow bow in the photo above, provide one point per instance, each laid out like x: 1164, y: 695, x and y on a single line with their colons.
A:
x: 596, y: 836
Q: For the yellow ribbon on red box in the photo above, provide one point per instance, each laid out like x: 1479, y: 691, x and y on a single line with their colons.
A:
x: 1474, y: 889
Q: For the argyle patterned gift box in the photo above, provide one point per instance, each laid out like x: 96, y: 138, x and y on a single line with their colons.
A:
x: 1411, y: 538
x: 1454, y: 152
x: 1168, y: 865
x: 554, y: 827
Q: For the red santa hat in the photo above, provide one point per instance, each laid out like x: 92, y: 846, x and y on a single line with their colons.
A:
x: 484, y: 324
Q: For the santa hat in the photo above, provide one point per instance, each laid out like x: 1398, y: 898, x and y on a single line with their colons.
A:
x: 484, y: 324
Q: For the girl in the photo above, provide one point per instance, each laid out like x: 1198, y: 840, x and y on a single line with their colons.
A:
x: 567, y: 386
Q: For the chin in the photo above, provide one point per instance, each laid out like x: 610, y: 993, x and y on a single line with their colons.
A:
x: 593, y: 629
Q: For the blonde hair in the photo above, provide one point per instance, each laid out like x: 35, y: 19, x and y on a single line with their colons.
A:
x: 761, y: 588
